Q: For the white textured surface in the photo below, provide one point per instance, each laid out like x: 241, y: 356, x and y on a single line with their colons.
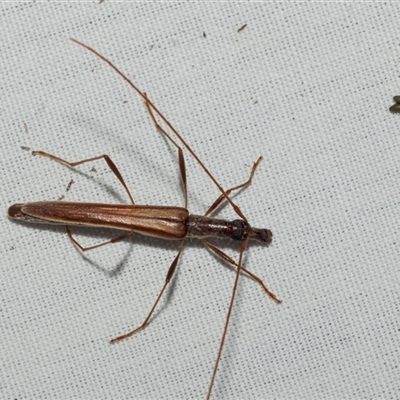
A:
x: 308, y: 86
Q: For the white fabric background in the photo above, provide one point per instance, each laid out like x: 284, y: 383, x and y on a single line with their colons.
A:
x: 307, y: 86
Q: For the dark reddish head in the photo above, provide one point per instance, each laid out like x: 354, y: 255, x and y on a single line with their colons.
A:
x: 262, y: 235
x: 242, y: 230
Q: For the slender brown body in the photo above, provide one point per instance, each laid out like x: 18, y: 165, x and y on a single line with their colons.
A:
x: 172, y: 223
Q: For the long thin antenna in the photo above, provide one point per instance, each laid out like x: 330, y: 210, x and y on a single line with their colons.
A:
x: 228, y: 317
x: 146, y: 99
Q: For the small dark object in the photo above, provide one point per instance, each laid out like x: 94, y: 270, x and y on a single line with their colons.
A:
x: 240, y: 29
x: 69, y: 185
x: 395, y: 109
